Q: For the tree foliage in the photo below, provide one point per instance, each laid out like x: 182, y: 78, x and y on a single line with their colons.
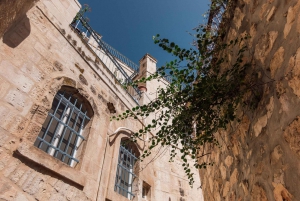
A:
x: 202, y: 98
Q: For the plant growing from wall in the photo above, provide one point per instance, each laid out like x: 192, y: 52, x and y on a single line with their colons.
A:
x: 202, y: 98
x: 82, y: 11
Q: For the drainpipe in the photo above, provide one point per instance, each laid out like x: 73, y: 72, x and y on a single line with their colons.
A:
x: 102, y: 167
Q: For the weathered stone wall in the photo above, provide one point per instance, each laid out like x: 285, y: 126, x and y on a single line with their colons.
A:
x: 259, y: 158
x: 40, y: 54
x: 9, y: 17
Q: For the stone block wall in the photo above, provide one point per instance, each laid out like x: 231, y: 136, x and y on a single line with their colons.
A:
x: 40, y: 54
x: 9, y: 17
x: 259, y: 158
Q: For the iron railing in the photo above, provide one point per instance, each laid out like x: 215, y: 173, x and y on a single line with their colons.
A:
x: 110, y: 57
x: 217, y: 10
x: 121, y: 57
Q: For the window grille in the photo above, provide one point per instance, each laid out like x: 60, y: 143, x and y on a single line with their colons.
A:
x: 61, y: 133
x: 125, y: 174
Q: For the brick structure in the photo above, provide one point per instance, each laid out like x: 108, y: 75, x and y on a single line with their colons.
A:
x: 41, y: 56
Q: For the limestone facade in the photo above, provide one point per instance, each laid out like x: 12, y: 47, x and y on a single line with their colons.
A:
x: 259, y: 158
x: 40, y: 54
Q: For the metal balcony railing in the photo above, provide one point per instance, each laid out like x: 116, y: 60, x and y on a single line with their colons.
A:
x: 110, y: 57
x: 121, y: 57
x: 217, y: 10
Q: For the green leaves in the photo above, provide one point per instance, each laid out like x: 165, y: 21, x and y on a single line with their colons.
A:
x: 201, y: 99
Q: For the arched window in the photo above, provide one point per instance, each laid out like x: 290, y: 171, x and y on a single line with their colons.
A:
x: 127, y: 169
x: 62, y: 133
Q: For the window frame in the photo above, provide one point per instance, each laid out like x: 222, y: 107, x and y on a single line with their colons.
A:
x: 125, y: 173
x: 54, y: 145
x: 39, y: 112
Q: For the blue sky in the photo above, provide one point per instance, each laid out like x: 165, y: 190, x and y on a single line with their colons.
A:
x: 128, y: 25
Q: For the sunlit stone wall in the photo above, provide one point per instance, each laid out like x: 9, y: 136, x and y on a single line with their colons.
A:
x: 259, y: 158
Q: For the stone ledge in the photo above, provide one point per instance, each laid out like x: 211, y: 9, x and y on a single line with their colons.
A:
x: 38, y: 156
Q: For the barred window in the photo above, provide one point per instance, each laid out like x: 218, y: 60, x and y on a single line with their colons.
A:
x: 126, y: 170
x: 61, y: 135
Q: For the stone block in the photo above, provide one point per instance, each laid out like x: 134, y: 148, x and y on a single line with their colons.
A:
x: 226, y: 188
x: 21, y: 197
x: 91, y: 188
x: 7, y: 191
x: 228, y: 161
x: 15, y: 76
x: 271, y: 14
x: 277, y: 61
x: 94, y: 149
x: 42, y: 50
x: 25, y: 177
x: 33, y: 55
x: 45, y: 66
x: 11, y: 167
x: 233, y: 177
x: 238, y: 18
x: 40, y: 113
x: 29, y: 186
x: 281, y: 193
x: 276, y: 155
x: 80, y: 196
x: 11, y: 121
x: 264, y: 45
x: 4, y: 158
x: 19, y: 100
x: 258, y: 193
x: 11, y: 143
x: 90, y: 168
x: 38, y: 20
x: 292, y: 137
x: 18, y: 173
x: 52, y: 181
x: 57, y: 197
x: 289, y: 21
x: 73, y: 9
x: 4, y: 86
x: 58, y: 185
x: 223, y: 171
x: 30, y: 69
x: 32, y: 131
x: 70, y: 193
x: 4, y: 136
x: 57, y: 16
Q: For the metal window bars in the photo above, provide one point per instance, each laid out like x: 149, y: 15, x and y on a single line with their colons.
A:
x: 61, y: 133
x: 125, y: 174
x: 108, y: 55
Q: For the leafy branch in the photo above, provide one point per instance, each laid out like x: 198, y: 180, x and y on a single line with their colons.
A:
x: 202, y: 98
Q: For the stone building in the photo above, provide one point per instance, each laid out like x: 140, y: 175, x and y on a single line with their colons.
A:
x: 59, y: 87
x: 259, y: 158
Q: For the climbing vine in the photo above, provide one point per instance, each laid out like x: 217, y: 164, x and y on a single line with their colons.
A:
x: 205, y: 90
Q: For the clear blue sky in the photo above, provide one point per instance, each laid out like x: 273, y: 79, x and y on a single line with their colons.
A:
x: 128, y: 25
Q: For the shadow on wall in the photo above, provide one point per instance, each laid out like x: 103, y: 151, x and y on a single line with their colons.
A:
x: 17, y: 33
x: 40, y: 170
x: 12, y: 12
